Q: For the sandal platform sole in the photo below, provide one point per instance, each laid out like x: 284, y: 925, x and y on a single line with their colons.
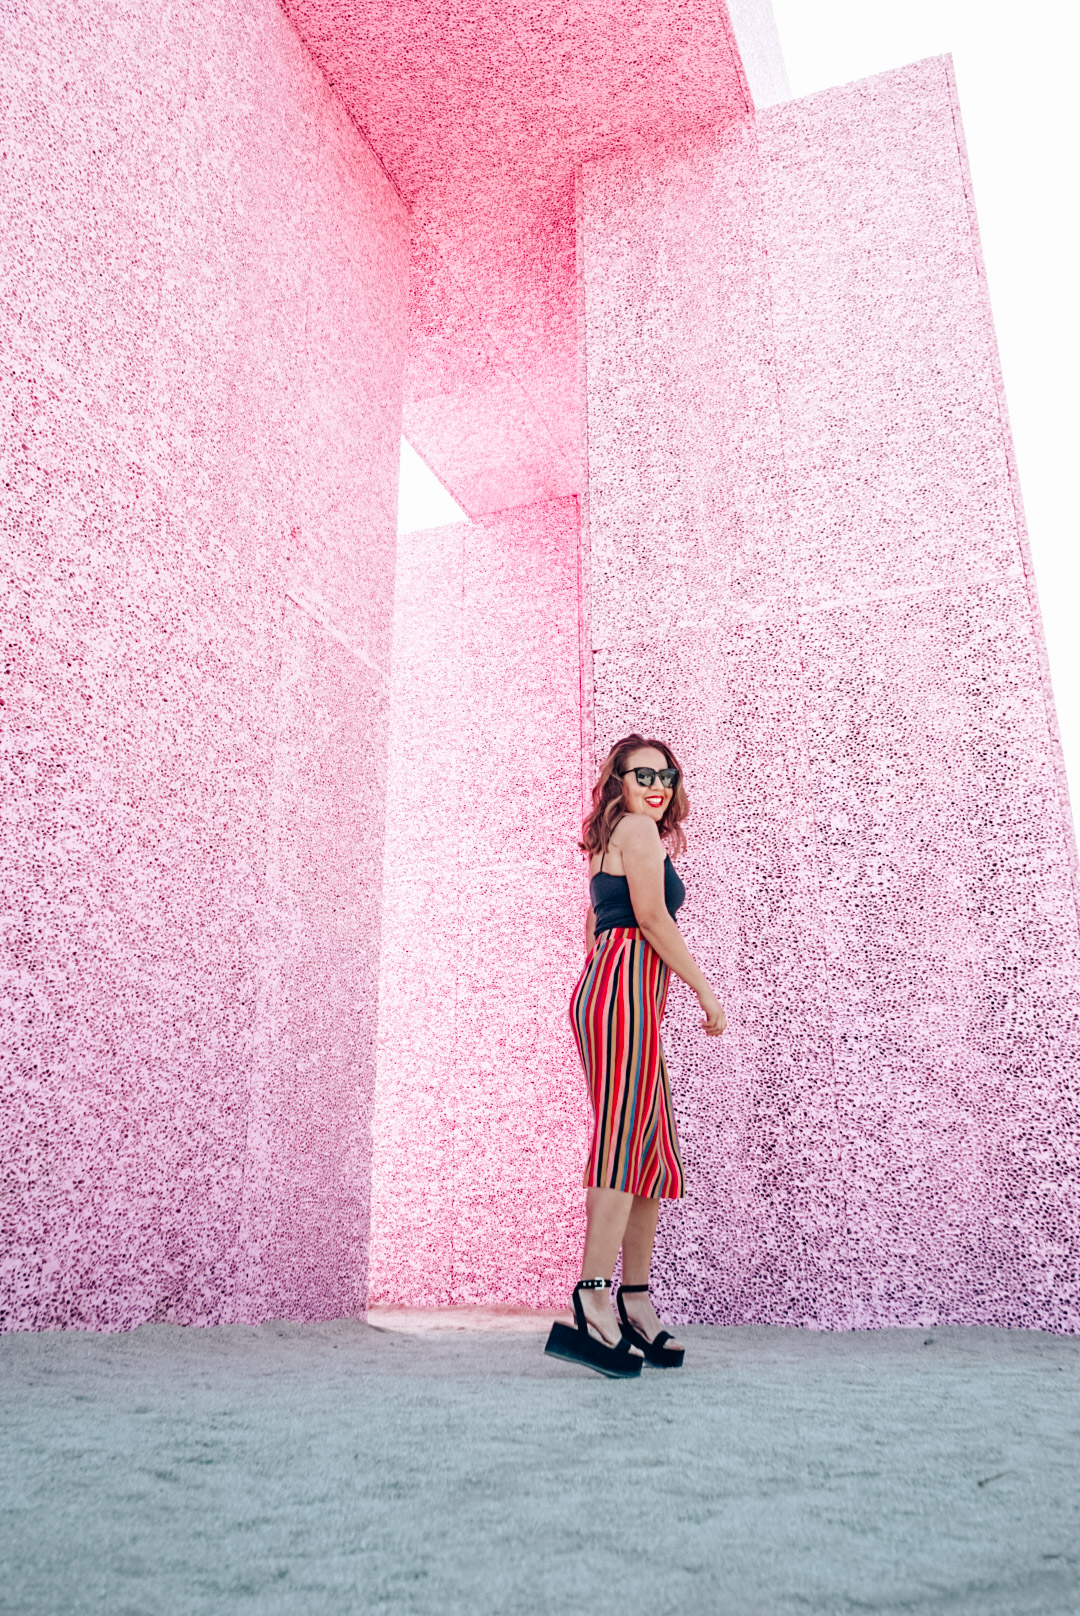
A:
x: 571, y: 1344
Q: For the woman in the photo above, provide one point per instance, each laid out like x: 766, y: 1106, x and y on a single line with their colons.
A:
x: 631, y: 942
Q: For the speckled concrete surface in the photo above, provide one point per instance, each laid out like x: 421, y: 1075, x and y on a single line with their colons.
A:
x: 808, y: 572
x: 344, y: 1467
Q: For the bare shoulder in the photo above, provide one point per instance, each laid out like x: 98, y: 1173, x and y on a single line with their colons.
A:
x: 637, y: 835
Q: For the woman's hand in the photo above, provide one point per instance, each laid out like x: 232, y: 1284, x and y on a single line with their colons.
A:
x: 715, y: 1019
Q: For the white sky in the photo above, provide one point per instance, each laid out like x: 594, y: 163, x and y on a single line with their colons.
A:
x: 422, y: 499
x: 1016, y: 71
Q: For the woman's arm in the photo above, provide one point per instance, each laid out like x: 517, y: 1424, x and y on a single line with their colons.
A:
x: 590, y: 929
x: 643, y: 860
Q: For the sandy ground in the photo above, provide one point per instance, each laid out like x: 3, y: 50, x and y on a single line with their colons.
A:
x: 420, y: 1464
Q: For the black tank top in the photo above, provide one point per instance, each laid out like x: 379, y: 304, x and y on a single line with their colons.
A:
x: 610, y: 896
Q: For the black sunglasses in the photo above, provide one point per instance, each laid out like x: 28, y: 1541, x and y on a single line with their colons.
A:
x: 668, y: 778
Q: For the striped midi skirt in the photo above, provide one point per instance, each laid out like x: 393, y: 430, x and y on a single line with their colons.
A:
x: 616, y: 1010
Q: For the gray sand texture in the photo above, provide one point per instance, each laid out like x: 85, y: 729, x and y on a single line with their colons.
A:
x: 441, y: 1464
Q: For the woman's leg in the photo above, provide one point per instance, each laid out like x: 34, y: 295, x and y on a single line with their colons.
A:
x: 606, y: 1213
x: 638, y: 1240
x: 637, y: 1252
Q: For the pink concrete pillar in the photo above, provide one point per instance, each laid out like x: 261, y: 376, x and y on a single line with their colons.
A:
x: 480, y: 1106
x: 808, y: 567
x: 205, y: 280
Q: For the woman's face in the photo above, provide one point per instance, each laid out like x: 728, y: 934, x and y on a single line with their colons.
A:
x: 652, y: 800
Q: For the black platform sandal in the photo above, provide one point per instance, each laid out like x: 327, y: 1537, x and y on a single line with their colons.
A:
x: 578, y: 1346
x: 657, y: 1350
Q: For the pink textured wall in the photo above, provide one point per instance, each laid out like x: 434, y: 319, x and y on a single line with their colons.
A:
x: 480, y: 1108
x: 806, y: 564
x: 205, y: 320
x: 808, y: 567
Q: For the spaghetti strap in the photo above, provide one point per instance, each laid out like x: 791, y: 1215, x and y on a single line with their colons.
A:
x: 600, y: 871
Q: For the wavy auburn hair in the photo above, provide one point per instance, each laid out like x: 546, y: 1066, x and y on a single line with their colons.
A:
x: 609, y: 803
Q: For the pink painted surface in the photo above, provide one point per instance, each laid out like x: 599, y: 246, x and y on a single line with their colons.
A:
x: 205, y: 315
x: 808, y: 568
x: 480, y: 1109
x: 481, y: 117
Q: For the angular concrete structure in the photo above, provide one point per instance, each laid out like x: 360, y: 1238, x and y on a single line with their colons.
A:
x: 809, y: 567
x: 292, y: 902
x: 204, y: 339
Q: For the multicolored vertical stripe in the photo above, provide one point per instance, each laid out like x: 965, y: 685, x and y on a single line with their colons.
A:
x: 616, y: 1011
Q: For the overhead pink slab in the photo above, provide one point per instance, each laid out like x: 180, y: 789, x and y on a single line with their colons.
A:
x: 480, y: 115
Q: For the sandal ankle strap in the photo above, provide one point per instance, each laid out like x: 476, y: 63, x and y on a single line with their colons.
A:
x: 579, y: 1306
x: 623, y: 1291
